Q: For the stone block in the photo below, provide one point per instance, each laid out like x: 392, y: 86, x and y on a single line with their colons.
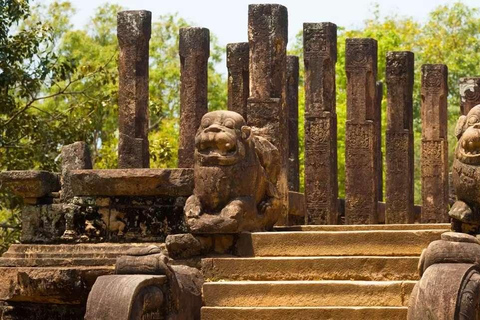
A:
x: 31, y: 183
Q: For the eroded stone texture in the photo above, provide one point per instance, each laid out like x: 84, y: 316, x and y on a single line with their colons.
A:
x: 361, y: 163
x: 321, y: 183
x: 75, y: 156
x: 292, y: 105
x: 194, y: 50
x: 469, y: 93
x: 236, y: 172
x: 147, y: 287
x: 133, y: 33
x: 31, y: 183
x: 267, y: 105
x: 238, y: 86
x: 399, y: 138
x: 466, y: 174
x: 450, y: 284
x: 434, y: 143
x: 132, y: 182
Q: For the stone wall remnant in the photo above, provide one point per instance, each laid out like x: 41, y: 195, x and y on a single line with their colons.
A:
x: 361, y: 146
x: 236, y: 172
x: 321, y: 183
x: 434, y: 143
x: 133, y: 33
x: 238, y: 86
x: 292, y: 105
x: 469, y: 93
x: 399, y: 138
x: 194, y: 53
x: 267, y: 106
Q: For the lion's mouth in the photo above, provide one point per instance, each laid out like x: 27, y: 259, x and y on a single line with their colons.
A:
x: 217, y: 146
x: 469, y: 148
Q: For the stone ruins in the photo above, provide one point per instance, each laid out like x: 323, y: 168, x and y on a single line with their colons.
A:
x: 229, y: 234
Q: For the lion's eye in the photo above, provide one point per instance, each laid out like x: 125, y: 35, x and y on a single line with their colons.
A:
x: 229, y: 123
x: 472, y: 120
x: 206, y: 122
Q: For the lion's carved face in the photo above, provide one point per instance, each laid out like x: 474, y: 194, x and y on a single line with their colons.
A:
x: 468, y: 134
x: 221, y: 139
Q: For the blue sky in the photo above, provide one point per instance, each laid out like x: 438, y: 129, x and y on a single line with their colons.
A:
x: 227, y: 19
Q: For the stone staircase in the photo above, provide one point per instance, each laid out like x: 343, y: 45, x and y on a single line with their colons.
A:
x: 318, y: 272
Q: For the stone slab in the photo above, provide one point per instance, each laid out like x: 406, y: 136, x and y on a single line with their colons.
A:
x: 365, y: 227
x: 375, y: 268
x: 58, y: 285
x: 30, y: 183
x: 327, y: 243
x: 132, y: 182
x: 311, y: 313
x: 307, y: 293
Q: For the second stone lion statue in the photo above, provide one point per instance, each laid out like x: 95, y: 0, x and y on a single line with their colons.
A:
x: 465, y: 212
x: 236, y: 172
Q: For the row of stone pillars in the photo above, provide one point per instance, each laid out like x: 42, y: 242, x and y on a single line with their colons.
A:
x: 263, y: 87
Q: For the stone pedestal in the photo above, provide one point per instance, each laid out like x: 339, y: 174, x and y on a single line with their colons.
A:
x: 399, y: 138
x: 238, y: 86
x: 361, y: 146
x: 267, y: 106
x: 194, y: 53
x: 292, y: 105
x: 321, y: 183
x: 133, y: 33
x: 434, y: 144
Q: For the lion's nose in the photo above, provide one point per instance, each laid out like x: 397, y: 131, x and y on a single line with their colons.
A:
x: 213, y: 128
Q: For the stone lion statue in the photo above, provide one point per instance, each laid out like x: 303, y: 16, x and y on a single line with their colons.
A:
x: 235, y: 173
x: 465, y: 212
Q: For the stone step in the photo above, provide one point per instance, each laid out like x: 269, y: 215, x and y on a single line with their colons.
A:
x: 307, y: 293
x: 46, y: 255
x: 54, y: 262
x: 378, y: 268
x: 333, y: 243
x: 78, y: 248
x: 365, y: 227
x: 313, y: 313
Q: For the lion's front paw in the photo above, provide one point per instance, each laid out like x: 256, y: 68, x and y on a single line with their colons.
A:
x: 193, y: 208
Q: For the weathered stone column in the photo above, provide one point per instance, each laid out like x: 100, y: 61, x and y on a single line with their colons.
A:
x: 434, y: 143
x: 378, y: 122
x: 292, y: 105
x: 267, y: 108
x: 194, y: 53
x: 321, y: 184
x: 133, y: 33
x: 361, y: 169
x: 469, y: 93
x: 238, y: 89
x: 399, y: 138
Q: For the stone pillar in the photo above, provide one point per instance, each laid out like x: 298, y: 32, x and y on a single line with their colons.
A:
x: 267, y: 109
x: 469, y: 93
x: 399, y: 138
x: 321, y: 183
x: 237, y: 64
x: 133, y: 33
x: 434, y: 143
x: 194, y: 53
x: 75, y: 156
x: 378, y: 122
x: 292, y: 105
x: 361, y: 168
